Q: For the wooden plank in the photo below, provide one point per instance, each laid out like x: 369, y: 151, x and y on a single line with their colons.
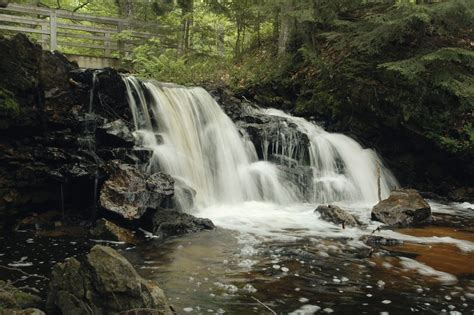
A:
x: 84, y: 45
x: 22, y: 29
x: 21, y: 19
x: 86, y: 28
x: 82, y: 36
x: 13, y: 7
x: 79, y: 16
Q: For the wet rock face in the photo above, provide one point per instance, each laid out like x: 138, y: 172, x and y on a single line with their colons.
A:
x: 55, y: 139
x: 129, y: 192
x: 115, y: 134
x: 271, y: 135
x: 403, y: 207
x: 104, y: 283
x: 336, y: 215
x: 165, y: 223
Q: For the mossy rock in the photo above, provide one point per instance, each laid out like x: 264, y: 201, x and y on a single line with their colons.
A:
x: 11, y: 297
x: 9, y: 108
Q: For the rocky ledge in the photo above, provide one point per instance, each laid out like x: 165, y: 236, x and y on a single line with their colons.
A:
x: 67, y: 146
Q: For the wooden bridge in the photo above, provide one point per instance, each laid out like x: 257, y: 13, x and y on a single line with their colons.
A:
x: 99, y: 40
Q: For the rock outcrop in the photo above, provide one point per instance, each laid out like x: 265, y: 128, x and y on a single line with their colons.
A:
x: 403, y: 207
x: 103, y: 283
x: 129, y: 192
x: 56, y: 138
x: 165, y: 223
x: 336, y: 215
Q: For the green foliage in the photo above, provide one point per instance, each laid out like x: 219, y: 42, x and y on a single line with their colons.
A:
x: 450, y: 69
x: 9, y: 108
x: 167, y: 66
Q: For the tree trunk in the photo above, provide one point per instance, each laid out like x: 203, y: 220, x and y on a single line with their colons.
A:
x: 287, y: 25
x: 187, y: 9
x: 125, y: 8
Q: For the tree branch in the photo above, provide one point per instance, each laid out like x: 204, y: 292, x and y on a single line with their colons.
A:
x: 82, y: 5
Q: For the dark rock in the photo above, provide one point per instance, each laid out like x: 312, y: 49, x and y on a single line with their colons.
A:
x: 376, y: 241
x: 130, y: 192
x: 166, y: 223
x: 36, y: 221
x: 103, y: 283
x: 54, y: 138
x: 336, y: 215
x: 128, y: 155
x: 462, y: 194
x: 115, y: 134
x: 403, y: 207
x: 107, y: 230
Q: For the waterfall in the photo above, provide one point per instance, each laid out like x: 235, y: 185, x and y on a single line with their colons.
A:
x: 341, y: 170
x: 194, y: 141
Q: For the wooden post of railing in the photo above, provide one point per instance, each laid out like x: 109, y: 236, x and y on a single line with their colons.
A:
x: 53, y: 44
x: 44, y: 37
x: 107, y: 44
x: 120, y: 27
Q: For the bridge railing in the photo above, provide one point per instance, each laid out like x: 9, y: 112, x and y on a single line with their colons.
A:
x: 55, y: 29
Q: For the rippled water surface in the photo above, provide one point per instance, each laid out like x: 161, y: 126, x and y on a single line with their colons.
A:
x: 289, y: 261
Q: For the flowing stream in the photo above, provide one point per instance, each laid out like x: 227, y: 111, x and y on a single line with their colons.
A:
x: 271, y: 252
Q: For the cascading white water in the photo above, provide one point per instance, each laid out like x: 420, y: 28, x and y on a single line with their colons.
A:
x: 341, y: 169
x: 197, y: 143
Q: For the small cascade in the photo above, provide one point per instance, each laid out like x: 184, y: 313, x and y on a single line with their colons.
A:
x: 198, y: 144
x: 341, y: 170
x: 90, y: 124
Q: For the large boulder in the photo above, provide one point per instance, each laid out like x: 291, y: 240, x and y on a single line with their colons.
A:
x: 104, y: 283
x: 403, y: 207
x: 130, y: 191
x: 165, y: 223
x: 336, y: 215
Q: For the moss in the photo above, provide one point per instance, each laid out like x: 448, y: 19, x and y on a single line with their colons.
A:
x: 11, y: 297
x: 9, y: 108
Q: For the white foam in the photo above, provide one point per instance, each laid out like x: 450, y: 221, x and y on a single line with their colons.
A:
x: 306, y: 309
x: 428, y: 271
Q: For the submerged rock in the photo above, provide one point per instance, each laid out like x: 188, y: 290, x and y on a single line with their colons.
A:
x: 166, y: 223
x: 376, y: 241
x: 336, y: 215
x: 107, y: 230
x: 130, y: 192
x: 402, y: 208
x: 104, y: 283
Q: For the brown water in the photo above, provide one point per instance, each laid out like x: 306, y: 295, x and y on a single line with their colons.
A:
x: 225, y: 271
